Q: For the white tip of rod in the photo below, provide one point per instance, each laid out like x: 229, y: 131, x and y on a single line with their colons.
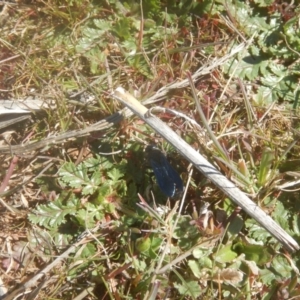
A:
x: 120, y: 90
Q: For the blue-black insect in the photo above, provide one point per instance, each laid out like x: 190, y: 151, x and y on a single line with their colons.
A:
x: 167, y: 178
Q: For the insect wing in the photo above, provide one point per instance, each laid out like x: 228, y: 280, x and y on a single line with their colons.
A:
x: 167, y: 178
x: 165, y: 183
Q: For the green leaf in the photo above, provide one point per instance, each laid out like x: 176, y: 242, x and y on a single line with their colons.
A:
x: 88, y: 217
x: 281, y: 215
x: 130, y: 47
x: 93, y: 184
x: 195, y: 268
x: 267, y: 276
x: 256, y: 231
x: 143, y: 244
x: 206, y: 262
x: 104, y: 190
x: 123, y: 29
x: 152, y: 8
x: 198, y: 253
x: 278, y: 69
x: 88, y: 251
x: 225, y: 254
x: 115, y: 175
x: 236, y: 225
x: 139, y: 265
x: 186, y: 234
x: 256, y: 253
x: 189, y: 288
x: 291, y: 31
x: 53, y: 214
x: 265, y: 166
x: 271, y: 80
x: 98, y: 162
x: 78, y: 177
x: 247, y: 66
x: 102, y: 26
x: 254, y: 50
x: 282, y: 266
x: 264, y: 95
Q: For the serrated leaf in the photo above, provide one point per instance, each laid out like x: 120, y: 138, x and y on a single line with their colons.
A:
x: 98, y: 162
x: 85, y: 219
x: 102, y: 25
x: 281, y: 215
x: 248, y: 21
x: 123, y: 29
x: 130, y: 47
x: 90, y: 215
x: 271, y: 80
x: 264, y: 95
x: 267, y: 276
x: 139, y: 264
x: 53, y: 214
x: 115, y: 175
x: 263, y: 67
x: 256, y: 231
x: 103, y: 191
x: 93, y: 184
x: 60, y: 239
x: 254, y: 50
x: 190, y: 288
x: 282, y: 266
x: 78, y: 177
x: 91, y: 34
x: 74, y: 176
x: 247, y: 67
x: 278, y: 69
